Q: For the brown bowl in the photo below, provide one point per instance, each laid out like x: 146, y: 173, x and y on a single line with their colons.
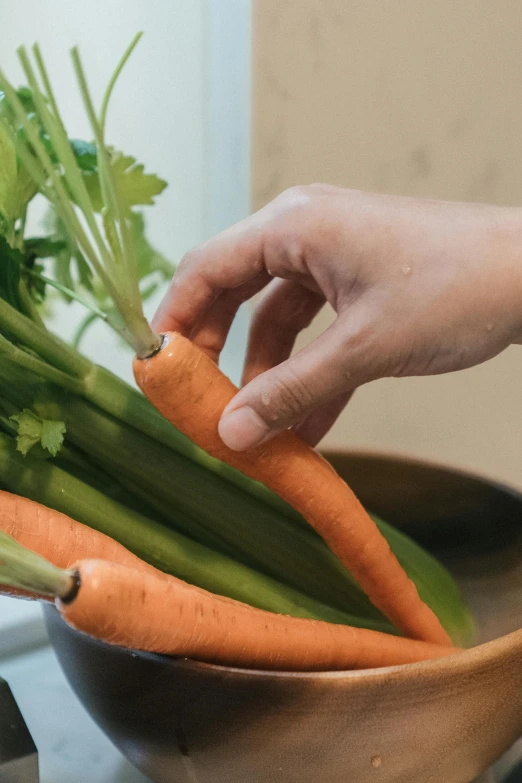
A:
x: 441, y: 721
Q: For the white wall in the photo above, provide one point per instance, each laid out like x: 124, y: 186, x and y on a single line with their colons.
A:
x: 181, y: 107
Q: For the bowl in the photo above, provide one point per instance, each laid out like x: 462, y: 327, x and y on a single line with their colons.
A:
x: 443, y: 721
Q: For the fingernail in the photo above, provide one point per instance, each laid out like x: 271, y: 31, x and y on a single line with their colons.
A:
x: 242, y: 429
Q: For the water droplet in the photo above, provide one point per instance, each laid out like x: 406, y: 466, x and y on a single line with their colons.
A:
x: 406, y: 270
x: 266, y: 399
x: 376, y: 761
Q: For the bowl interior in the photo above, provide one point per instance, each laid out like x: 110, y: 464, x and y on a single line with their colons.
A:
x: 472, y: 525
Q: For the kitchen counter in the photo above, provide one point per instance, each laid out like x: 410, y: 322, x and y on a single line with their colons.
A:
x: 70, y: 745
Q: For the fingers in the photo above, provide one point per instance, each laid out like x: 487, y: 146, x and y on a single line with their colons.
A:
x: 269, y: 241
x: 228, y: 261
x: 286, y: 309
x: 211, y: 334
x: 332, y: 365
x: 314, y: 427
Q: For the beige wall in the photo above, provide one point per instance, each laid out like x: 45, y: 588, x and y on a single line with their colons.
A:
x: 413, y: 97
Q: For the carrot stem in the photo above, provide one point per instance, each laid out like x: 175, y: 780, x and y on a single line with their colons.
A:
x: 25, y: 570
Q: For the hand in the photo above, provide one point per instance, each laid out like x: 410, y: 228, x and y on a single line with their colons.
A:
x: 419, y: 287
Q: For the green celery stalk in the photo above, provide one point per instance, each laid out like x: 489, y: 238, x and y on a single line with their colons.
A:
x: 172, y: 552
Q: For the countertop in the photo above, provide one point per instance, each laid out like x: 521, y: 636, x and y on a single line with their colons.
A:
x: 70, y: 745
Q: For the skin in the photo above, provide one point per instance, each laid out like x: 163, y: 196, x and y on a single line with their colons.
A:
x: 419, y: 287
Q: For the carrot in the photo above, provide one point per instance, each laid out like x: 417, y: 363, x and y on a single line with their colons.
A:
x: 139, y: 611
x: 60, y: 539
x: 189, y: 390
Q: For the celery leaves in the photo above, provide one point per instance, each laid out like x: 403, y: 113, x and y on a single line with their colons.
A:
x: 133, y: 184
x: 85, y: 154
x: 33, y: 430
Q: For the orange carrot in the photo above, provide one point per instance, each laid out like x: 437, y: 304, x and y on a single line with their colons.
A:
x: 140, y: 611
x: 58, y: 538
x: 189, y: 390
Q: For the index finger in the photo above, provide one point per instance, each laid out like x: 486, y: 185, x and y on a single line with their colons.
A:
x: 227, y: 261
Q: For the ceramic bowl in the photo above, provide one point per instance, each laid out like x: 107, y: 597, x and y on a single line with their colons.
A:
x: 441, y: 721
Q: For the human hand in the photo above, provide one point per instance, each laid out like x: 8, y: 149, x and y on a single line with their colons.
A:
x: 419, y: 287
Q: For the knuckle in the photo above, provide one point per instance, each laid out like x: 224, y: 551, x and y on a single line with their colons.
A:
x: 290, y: 222
x: 297, y: 196
x: 189, y: 261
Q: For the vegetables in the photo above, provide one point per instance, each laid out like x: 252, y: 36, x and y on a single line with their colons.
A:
x: 139, y: 611
x: 33, y: 430
x: 207, y: 523
x: 58, y: 538
x: 168, y: 551
x: 185, y: 385
x: 202, y: 481
x: 130, y: 410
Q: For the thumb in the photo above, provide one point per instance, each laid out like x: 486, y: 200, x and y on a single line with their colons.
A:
x: 330, y: 366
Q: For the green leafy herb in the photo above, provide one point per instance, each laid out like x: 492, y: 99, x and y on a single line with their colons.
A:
x: 33, y: 430
x: 85, y: 154
x: 134, y: 186
x: 118, y: 184
x: 52, y: 436
x: 44, y: 247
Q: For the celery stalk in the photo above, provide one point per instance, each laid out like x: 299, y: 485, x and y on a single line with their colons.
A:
x: 169, y: 551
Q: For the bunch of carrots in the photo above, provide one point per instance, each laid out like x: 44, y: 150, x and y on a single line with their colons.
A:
x: 148, y: 532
